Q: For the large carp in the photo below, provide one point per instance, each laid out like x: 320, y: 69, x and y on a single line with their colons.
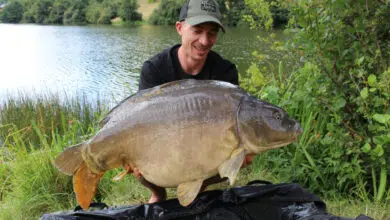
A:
x: 177, y: 135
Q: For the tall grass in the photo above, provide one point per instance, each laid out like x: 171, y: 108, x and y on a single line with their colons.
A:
x: 32, y: 132
x: 22, y: 117
x: 31, y: 186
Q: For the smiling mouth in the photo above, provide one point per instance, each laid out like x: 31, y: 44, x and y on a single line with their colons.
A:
x: 202, y: 49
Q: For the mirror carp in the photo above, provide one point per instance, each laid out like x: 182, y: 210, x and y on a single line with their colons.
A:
x: 177, y: 135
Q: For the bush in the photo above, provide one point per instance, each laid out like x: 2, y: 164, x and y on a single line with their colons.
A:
x: 167, y: 12
x: 341, y: 96
x: 12, y: 13
x: 128, y: 11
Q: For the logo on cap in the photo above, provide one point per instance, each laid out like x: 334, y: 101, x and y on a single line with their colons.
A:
x: 208, y: 5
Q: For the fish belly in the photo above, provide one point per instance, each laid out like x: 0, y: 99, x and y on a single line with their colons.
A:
x: 190, y: 153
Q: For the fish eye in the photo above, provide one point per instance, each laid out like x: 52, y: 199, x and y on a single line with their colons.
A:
x: 276, y: 115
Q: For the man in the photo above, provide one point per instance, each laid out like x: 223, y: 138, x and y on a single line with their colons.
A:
x: 199, y: 24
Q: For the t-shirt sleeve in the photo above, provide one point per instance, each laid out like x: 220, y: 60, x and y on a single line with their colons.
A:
x: 149, y: 76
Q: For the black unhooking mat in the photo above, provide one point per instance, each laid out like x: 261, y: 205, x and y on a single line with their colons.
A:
x: 257, y: 200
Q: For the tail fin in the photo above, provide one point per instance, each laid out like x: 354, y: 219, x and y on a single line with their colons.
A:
x: 85, y: 184
x: 70, y: 159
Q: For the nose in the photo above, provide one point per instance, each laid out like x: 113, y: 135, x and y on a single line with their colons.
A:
x: 204, y: 39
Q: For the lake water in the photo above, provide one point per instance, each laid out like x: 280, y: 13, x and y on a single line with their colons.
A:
x: 102, y: 61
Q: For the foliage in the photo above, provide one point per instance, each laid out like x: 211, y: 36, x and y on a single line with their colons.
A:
x: 12, y: 13
x: 41, y: 10
x: 75, y: 14
x: 234, y: 12
x: 341, y: 96
x: 167, y: 12
x: 97, y: 14
x: 73, y: 11
x: 56, y: 15
x: 128, y: 11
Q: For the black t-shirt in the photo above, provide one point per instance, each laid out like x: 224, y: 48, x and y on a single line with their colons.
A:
x: 165, y: 67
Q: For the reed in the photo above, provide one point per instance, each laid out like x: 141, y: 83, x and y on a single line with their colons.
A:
x: 47, y: 114
x: 32, y: 132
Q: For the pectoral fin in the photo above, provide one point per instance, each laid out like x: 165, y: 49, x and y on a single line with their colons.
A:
x: 187, y: 192
x: 231, y: 167
x: 85, y: 184
x: 123, y: 173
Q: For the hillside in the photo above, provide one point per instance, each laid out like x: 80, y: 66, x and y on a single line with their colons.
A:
x: 146, y: 8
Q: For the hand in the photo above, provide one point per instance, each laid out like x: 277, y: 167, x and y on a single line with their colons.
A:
x: 247, y: 160
x: 158, y: 193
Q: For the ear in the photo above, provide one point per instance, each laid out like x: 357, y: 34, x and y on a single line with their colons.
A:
x: 179, y: 27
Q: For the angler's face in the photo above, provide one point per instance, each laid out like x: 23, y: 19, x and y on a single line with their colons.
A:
x: 197, y: 40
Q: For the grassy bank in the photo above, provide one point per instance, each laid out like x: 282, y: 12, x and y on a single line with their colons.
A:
x: 33, y: 132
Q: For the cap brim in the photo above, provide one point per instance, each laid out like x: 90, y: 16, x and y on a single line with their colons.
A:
x: 203, y: 19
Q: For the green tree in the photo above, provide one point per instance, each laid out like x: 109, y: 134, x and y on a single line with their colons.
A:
x: 12, y: 12
x: 41, y: 10
x: 75, y: 14
x: 167, y: 12
x: 57, y: 11
x: 99, y: 13
x: 128, y: 11
x: 235, y: 12
x: 93, y: 12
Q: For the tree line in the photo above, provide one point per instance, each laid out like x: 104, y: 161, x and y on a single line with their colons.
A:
x: 69, y: 11
x: 103, y: 11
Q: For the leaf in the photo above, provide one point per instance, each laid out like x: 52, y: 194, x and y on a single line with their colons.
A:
x: 382, y: 118
x: 371, y: 80
x: 339, y: 103
x: 378, y: 150
x: 359, y: 61
x: 364, y: 93
x: 366, y: 148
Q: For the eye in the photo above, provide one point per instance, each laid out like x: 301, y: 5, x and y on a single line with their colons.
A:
x: 277, y: 115
x: 197, y: 30
x: 212, y: 33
